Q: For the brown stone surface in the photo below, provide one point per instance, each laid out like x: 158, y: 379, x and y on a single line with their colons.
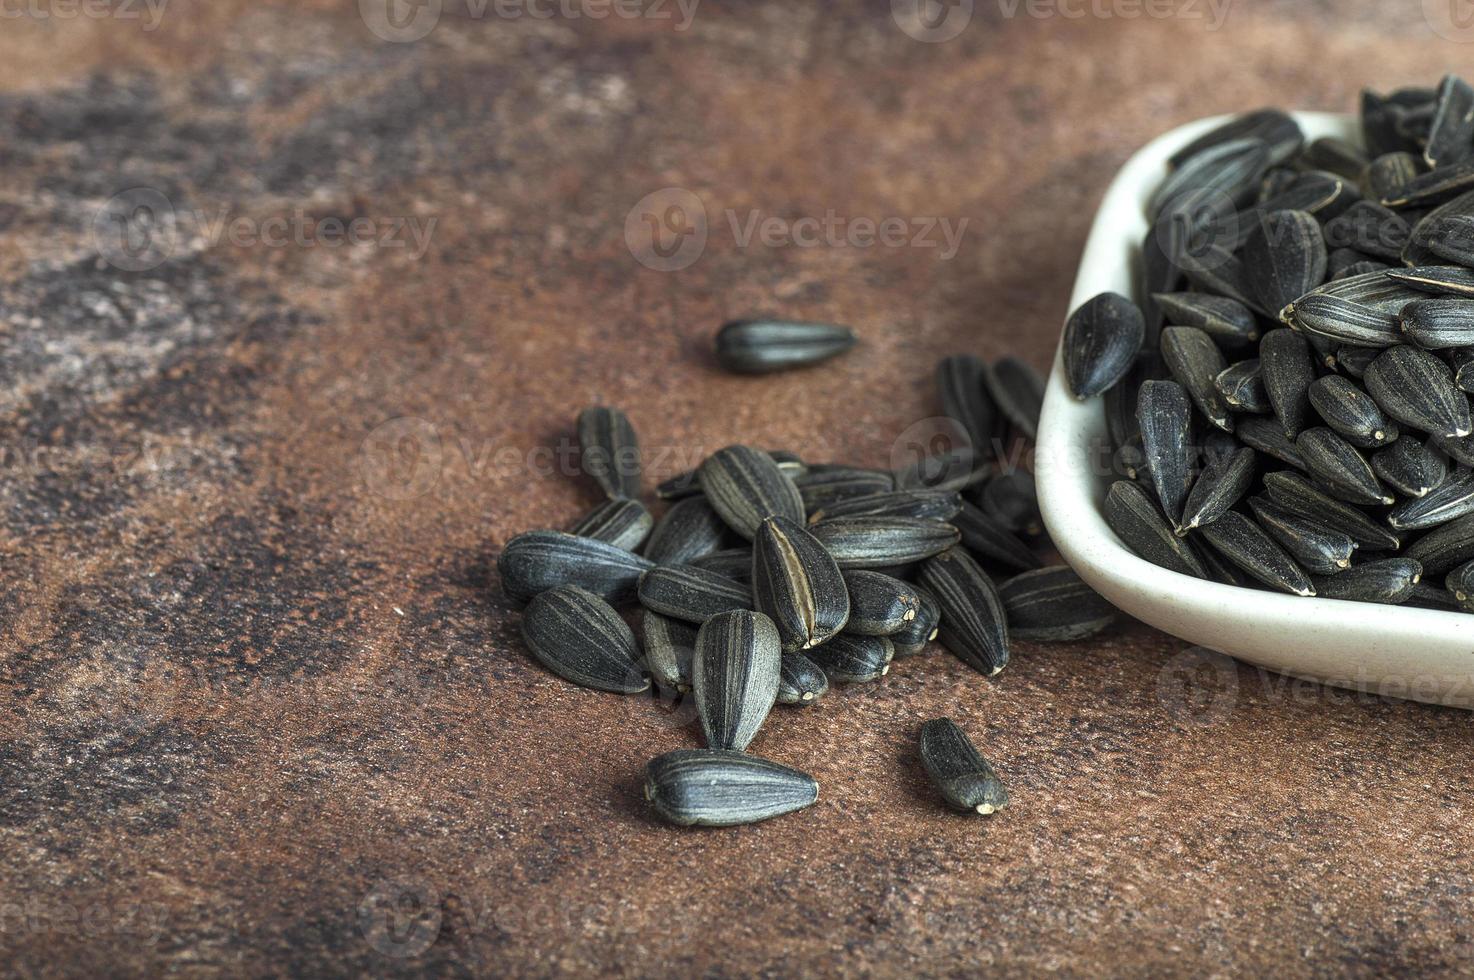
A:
x: 250, y: 686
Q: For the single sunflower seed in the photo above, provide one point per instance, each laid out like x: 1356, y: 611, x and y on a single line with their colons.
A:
x: 670, y: 648
x: 880, y: 605
x: 1425, y: 595
x: 1351, y: 412
x: 1285, y: 257
x: 1340, y: 468
x: 882, y: 542
x: 734, y: 676
x: 1460, y: 583
x: 1288, y: 370
x: 763, y: 346
x: 1101, y: 341
x: 1139, y: 523
x: 851, y: 658
x: 1018, y: 391
x: 1451, y: 134
x: 579, y: 637
x: 1317, y: 548
x: 1220, y: 486
x: 800, y: 681
x: 745, y: 487
x: 1460, y: 449
x: 1052, y: 605
x: 1390, y: 178
x: 691, y: 594
x: 990, y: 540
x: 1390, y: 580
x: 1229, y: 322
x: 621, y: 522
x: 1012, y: 499
x: 1449, y: 500
x: 958, y: 771
x: 609, y: 451
x: 1165, y: 415
x: 1415, y: 387
x: 1268, y: 436
x: 1195, y: 361
x: 1371, y: 230
x: 1445, y: 547
x: 936, y: 505
x: 1355, y: 360
x: 536, y: 561
x: 966, y: 401
x: 705, y: 788
x: 1443, y: 280
x: 797, y: 584
x: 1242, y: 387
x: 974, y: 625
x: 1245, y: 544
x: 1337, y: 156
x: 690, y: 529
x: 1295, y: 493
x: 1434, y: 324
x: 1408, y: 466
x: 1277, y: 129
x: 913, y: 637
x: 733, y: 563
x: 823, y: 486
x: 1229, y: 171
x: 1431, y: 187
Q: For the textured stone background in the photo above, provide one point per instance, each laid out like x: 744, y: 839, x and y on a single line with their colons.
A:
x: 264, y: 706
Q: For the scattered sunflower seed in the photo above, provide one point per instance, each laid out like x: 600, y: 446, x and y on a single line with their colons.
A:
x: 620, y: 522
x: 1018, y: 391
x: 935, y: 505
x: 1351, y: 412
x: 745, y: 487
x: 1390, y: 580
x: 1052, y: 605
x: 797, y: 585
x: 670, y: 647
x: 691, y: 594
x: 800, y: 681
x: 958, y: 771
x: 974, y: 625
x: 1139, y: 523
x: 1165, y: 415
x: 690, y: 529
x: 536, y: 561
x: 851, y: 658
x: 880, y: 605
x: 987, y: 538
x: 732, y: 563
x: 762, y: 346
x: 705, y: 788
x: 1102, y: 339
x: 579, y: 637
x: 1340, y: 468
x: 824, y: 486
x: 883, y: 542
x: 1449, y: 500
x: 734, y: 676
x: 609, y: 451
x: 1011, y: 499
x: 965, y: 400
x: 1245, y: 544
x: 913, y: 637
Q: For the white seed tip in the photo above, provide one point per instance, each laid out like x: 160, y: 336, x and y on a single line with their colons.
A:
x: 984, y: 808
x: 908, y: 615
x: 1344, y: 563
x: 808, y: 695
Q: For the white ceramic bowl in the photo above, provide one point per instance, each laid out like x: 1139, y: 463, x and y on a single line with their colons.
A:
x: 1403, y: 652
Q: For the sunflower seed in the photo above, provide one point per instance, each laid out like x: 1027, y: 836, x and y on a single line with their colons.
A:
x: 1298, y: 495
x: 1379, y: 129
x: 852, y: 658
x: 762, y: 346
x: 622, y: 523
x: 1011, y: 499
x: 1390, y: 580
x: 1345, y: 321
x: 1018, y: 391
x: 880, y: 542
x: 966, y: 401
x: 1218, y: 446
x: 1409, y: 467
x: 670, y: 647
x: 936, y: 505
x: 879, y: 604
x: 1140, y: 525
x: 913, y: 637
x: 1428, y: 596
x: 1284, y: 358
x: 1447, y: 501
x: 1445, y: 547
x: 579, y: 637
x: 1460, y: 450
x: 1221, y: 485
x: 1229, y: 322
x: 987, y: 538
x: 744, y: 486
x: 1415, y: 387
x: 735, y: 676
x: 1337, y: 156
x: 1325, y: 195
x: 1274, y: 127
x: 1449, y: 237
x: 1217, y: 270
x: 704, y: 788
x: 1229, y: 170
x: 1461, y: 359
x: 1195, y: 361
x: 949, y: 471
x: 733, y: 563
x: 609, y: 451
x: 1052, y: 605
x: 1371, y: 230
x: 797, y: 584
x: 959, y: 773
x: 1434, y: 324
x: 1166, y: 433
x: 1245, y: 544
x: 1242, y: 387
x: 1339, y: 468
x: 1285, y: 257
x: 1351, y: 271
x: 1268, y: 437
x: 689, y: 530
x: 679, y: 487
x: 1319, y: 549
x: 800, y: 681
x: 540, y: 560
x: 1355, y: 360
x: 1390, y: 177
x: 691, y: 594
x: 1451, y: 135
x: 974, y: 626
x: 1351, y: 412
x: 824, y: 486
x: 1460, y: 582
x: 1219, y: 568
x: 1101, y: 341
x: 1451, y: 280
x: 1431, y: 187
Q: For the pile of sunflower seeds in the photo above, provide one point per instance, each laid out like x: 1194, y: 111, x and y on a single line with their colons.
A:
x: 768, y: 579
x: 1290, y: 405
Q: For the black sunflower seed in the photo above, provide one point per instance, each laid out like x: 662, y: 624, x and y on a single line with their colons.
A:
x: 1451, y: 134
x: 1195, y: 361
x: 974, y: 625
x: 1460, y: 449
x: 761, y: 346
x: 1408, y: 466
x: 1230, y: 171
x: 882, y: 542
x: 1268, y: 437
x: 1351, y: 271
x: 1274, y: 127
x: 966, y: 401
x: 1434, y: 324
x: 733, y: 563
x: 1450, y: 280
x: 1018, y: 391
x: 1449, y: 500
x: 734, y: 676
x: 622, y: 523
x: 1222, y: 484
x: 1390, y: 580
x: 851, y: 658
x: 745, y: 487
x: 609, y: 451
x: 679, y: 487
x: 1460, y: 583
x: 1445, y: 547
x: 1431, y: 187
x: 1340, y: 468
x: 1011, y: 499
x: 689, y: 530
x: 797, y: 584
x: 987, y: 538
x: 936, y: 505
x: 540, y: 560
x: 1245, y: 544
x: 1461, y: 360
x: 1317, y: 548
x: 1415, y: 387
x: 1355, y: 360
x: 1101, y: 341
x: 1351, y: 412
x: 1230, y: 323
x: 800, y: 681
x: 691, y: 594
x: 1371, y: 230
x: 1428, y: 596
x: 704, y: 788
x: 1165, y: 416
x: 1217, y: 270
x: 1390, y: 178
x: 1345, y: 321
x: 958, y: 771
x: 1220, y: 569
x: 1298, y: 495
x: 879, y: 604
x: 1285, y: 361
x: 1337, y: 156
x: 1140, y: 525
x: 579, y: 637
x: 949, y: 471
x: 913, y: 637
x: 1242, y: 387
x: 1218, y: 446
x: 670, y: 648
x: 1285, y: 257
x: 1052, y: 605
x: 823, y: 486
x: 1379, y: 129
x: 1449, y: 237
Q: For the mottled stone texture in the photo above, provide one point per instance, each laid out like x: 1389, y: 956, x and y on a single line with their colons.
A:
x: 265, y: 710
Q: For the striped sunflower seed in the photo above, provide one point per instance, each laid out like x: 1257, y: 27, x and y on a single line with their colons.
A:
x: 1195, y: 361
x: 1445, y: 547
x: 1390, y: 178
x: 1460, y: 450
x: 958, y: 771
x: 1415, y: 387
x: 1434, y: 324
x: 1337, y: 156
x: 1351, y: 412
x: 1218, y: 271
x: 764, y: 346
x: 679, y: 487
x: 1298, y: 495
x: 1288, y: 370
x: 609, y: 451
x: 1451, y: 499
x: 1428, y: 596
x: 1451, y: 135
x: 1141, y: 527
x: 1018, y: 391
x: 1222, y: 484
x: 1409, y: 467
x: 1011, y: 499
x: 540, y: 560
x: 1460, y: 583
x: 1229, y: 322
x: 851, y: 658
x: 935, y: 505
x: 704, y: 788
x: 1165, y: 415
x: 974, y: 625
x: 1317, y: 548
x: 988, y: 539
x: 689, y: 530
x: 1228, y: 171
x: 1390, y: 580
x: 1218, y: 446
x: 1370, y: 229
x: 1245, y: 544
x: 1242, y: 387
x: 1432, y: 187
x: 1354, y: 269
x: 1285, y: 257
x: 797, y: 585
x: 1461, y: 359
x: 1340, y: 468
x: 579, y: 637
x: 880, y: 605
x: 1279, y: 132
x: 965, y: 400
x: 691, y: 594
x: 824, y: 486
x: 670, y: 648
x: 1449, y: 237
x: 913, y: 637
x: 1268, y: 437
x: 732, y: 563
x: 1359, y: 310
x: 800, y: 681
x: 734, y: 676
x: 882, y: 542
x: 1355, y: 360
x: 1220, y: 569
x: 622, y: 523
x: 1052, y: 605
x: 1441, y: 280
x: 745, y: 487
x: 949, y: 471
x: 1101, y: 341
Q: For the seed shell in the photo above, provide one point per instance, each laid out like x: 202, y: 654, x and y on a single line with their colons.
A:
x: 609, y: 451
x: 1451, y: 135
x: 1408, y: 466
x: 988, y: 539
x: 1451, y: 499
x: 1460, y: 582
x: 536, y: 561
x: 797, y: 585
x: 913, y: 637
x: 691, y: 594
x: 1165, y: 415
x: 579, y: 637
x: 1229, y: 322
x: 1242, y: 387
x: 1370, y: 230
x: 1268, y: 437
x: 1337, y: 156
x: 1101, y: 341
x: 1298, y: 495
x: 936, y: 505
x: 823, y: 486
x: 732, y: 563
x: 622, y: 523
x: 1140, y: 525
x: 735, y: 676
x: 1195, y: 361
x: 974, y: 625
x: 1274, y: 127
x: 1431, y: 187
x: 670, y: 648
x: 745, y: 487
x: 1218, y: 271
x: 1222, y: 484
x: 1018, y: 391
x: 1339, y: 468
x: 1245, y: 544
x: 1390, y: 580
x: 1285, y: 257
x: 965, y: 400
x: 1451, y: 280
x: 800, y: 681
x: 1011, y: 499
x: 1355, y: 360
x: 851, y: 658
x: 1434, y: 324
x: 1415, y: 387
x: 1428, y: 596
x: 882, y: 542
x: 704, y: 788
x: 1052, y: 605
x: 1317, y: 548
x: 689, y: 530
x: 1288, y: 370
x: 1446, y: 547
x: 1460, y: 450
x: 763, y: 346
x: 1229, y: 171
x: 880, y: 605
x: 958, y: 771
x: 1351, y: 412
